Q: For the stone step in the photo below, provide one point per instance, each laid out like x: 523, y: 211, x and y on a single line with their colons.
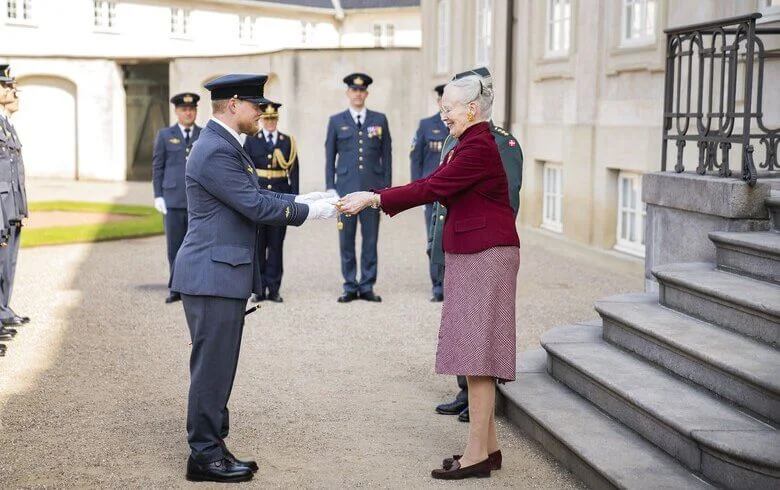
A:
x: 754, y: 254
x: 598, y: 449
x: 773, y: 205
x: 658, y: 405
x: 746, y: 305
x: 738, y: 368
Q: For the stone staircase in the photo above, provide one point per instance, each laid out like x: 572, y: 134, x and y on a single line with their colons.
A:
x: 679, y: 389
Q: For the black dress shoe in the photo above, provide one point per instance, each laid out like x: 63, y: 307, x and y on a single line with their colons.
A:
x: 347, y: 297
x: 173, y: 297
x: 275, y: 298
x: 2, y: 349
x: 370, y: 296
x: 13, y: 321
x: 453, y: 407
x: 249, y: 463
x: 437, y: 298
x: 464, y: 415
x: 223, y: 470
x: 455, y: 472
x: 256, y: 298
x: 5, y: 333
x: 23, y: 319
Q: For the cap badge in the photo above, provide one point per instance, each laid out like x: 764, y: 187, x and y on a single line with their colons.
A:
x: 187, y: 99
x: 358, y: 81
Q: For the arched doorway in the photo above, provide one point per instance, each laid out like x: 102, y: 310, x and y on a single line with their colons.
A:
x: 46, y: 123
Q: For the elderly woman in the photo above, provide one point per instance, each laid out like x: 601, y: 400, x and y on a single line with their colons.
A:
x: 477, y: 332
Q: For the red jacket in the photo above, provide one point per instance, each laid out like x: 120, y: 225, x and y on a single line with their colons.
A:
x: 472, y: 184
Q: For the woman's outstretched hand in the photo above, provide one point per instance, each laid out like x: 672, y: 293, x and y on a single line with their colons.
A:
x: 355, y: 202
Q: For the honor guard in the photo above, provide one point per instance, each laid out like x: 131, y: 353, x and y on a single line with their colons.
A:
x: 424, y: 157
x: 171, y: 151
x: 512, y: 159
x: 358, y: 157
x: 14, y: 200
x: 276, y: 159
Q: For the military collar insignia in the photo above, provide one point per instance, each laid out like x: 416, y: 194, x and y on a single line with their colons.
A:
x: 281, y: 137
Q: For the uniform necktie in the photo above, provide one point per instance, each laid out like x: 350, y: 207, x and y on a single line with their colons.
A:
x: 186, y: 136
x: 359, y: 124
x: 270, y: 138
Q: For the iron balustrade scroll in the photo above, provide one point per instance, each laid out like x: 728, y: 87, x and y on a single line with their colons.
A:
x: 705, y: 61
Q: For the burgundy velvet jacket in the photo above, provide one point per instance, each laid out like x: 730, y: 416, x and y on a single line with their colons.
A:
x: 472, y: 184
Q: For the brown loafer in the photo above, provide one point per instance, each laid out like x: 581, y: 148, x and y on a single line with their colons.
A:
x: 455, y: 472
x: 494, y: 458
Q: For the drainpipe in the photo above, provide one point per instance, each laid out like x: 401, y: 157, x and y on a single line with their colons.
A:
x: 510, y: 55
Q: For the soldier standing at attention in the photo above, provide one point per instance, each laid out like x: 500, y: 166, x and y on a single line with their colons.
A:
x: 425, y: 156
x: 13, y: 195
x: 358, y: 157
x: 276, y: 158
x: 171, y: 150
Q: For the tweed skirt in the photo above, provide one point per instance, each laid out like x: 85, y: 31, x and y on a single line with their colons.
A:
x: 477, y: 332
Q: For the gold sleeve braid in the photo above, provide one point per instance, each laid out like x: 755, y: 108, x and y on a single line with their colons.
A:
x: 279, y: 159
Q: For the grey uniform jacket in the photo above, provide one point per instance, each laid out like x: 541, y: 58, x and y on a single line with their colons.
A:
x: 358, y: 159
x: 225, y: 204
x: 168, y: 162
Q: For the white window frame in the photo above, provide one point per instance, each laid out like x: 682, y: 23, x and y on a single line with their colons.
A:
x: 307, y: 33
x: 631, y: 215
x: 643, y: 32
x: 552, y: 197
x: 22, y: 11
x: 247, y: 29
x: 389, y: 35
x: 558, y: 28
x: 104, y: 15
x: 377, y: 34
x: 484, y: 41
x: 443, y: 36
x: 770, y: 9
x: 180, y: 22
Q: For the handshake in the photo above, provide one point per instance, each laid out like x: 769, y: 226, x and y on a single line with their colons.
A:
x: 327, y: 205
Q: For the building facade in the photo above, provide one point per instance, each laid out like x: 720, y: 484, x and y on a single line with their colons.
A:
x: 100, y: 71
x: 581, y: 84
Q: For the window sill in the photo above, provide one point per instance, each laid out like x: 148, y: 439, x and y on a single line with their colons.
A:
x: 631, y: 249
x: 550, y: 58
x: 635, y: 46
x: 181, y: 37
x: 20, y: 23
x: 105, y: 30
x: 554, y: 227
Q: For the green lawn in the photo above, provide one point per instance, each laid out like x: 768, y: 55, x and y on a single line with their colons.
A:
x: 147, y: 222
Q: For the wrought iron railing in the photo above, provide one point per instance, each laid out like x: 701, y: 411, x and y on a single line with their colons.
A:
x: 708, y: 67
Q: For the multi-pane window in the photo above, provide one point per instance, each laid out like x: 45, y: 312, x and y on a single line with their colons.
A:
x: 443, y: 37
x: 484, y: 31
x: 246, y: 28
x: 558, y: 32
x: 552, y: 204
x: 180, y: 21
x: 638, y: 22
x: 383, y: 35
x: 104, y: 14
x: 631, y: 215
x: 19, y: 10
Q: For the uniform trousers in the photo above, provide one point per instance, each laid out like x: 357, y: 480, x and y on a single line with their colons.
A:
x: 10, y: 256
x: 435, y: 270
x: 369, y: 228
x: 270, y: 255
x: 175, y: 221
x: 216, y: 325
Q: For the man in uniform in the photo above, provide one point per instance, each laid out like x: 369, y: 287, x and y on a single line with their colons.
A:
x: 358, y: 157
x: 425, y: 157
x: 14, y: 196
x: 7, y: 201
x: 214, y: 270
x: 171, y: 150
x: 512, y: 158
x: 276, y: 158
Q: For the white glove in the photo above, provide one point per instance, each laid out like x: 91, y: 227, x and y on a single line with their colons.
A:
x: 323, y: 209
x: 312, y: 196
x: 159, y: 205
x: 332, y: 193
